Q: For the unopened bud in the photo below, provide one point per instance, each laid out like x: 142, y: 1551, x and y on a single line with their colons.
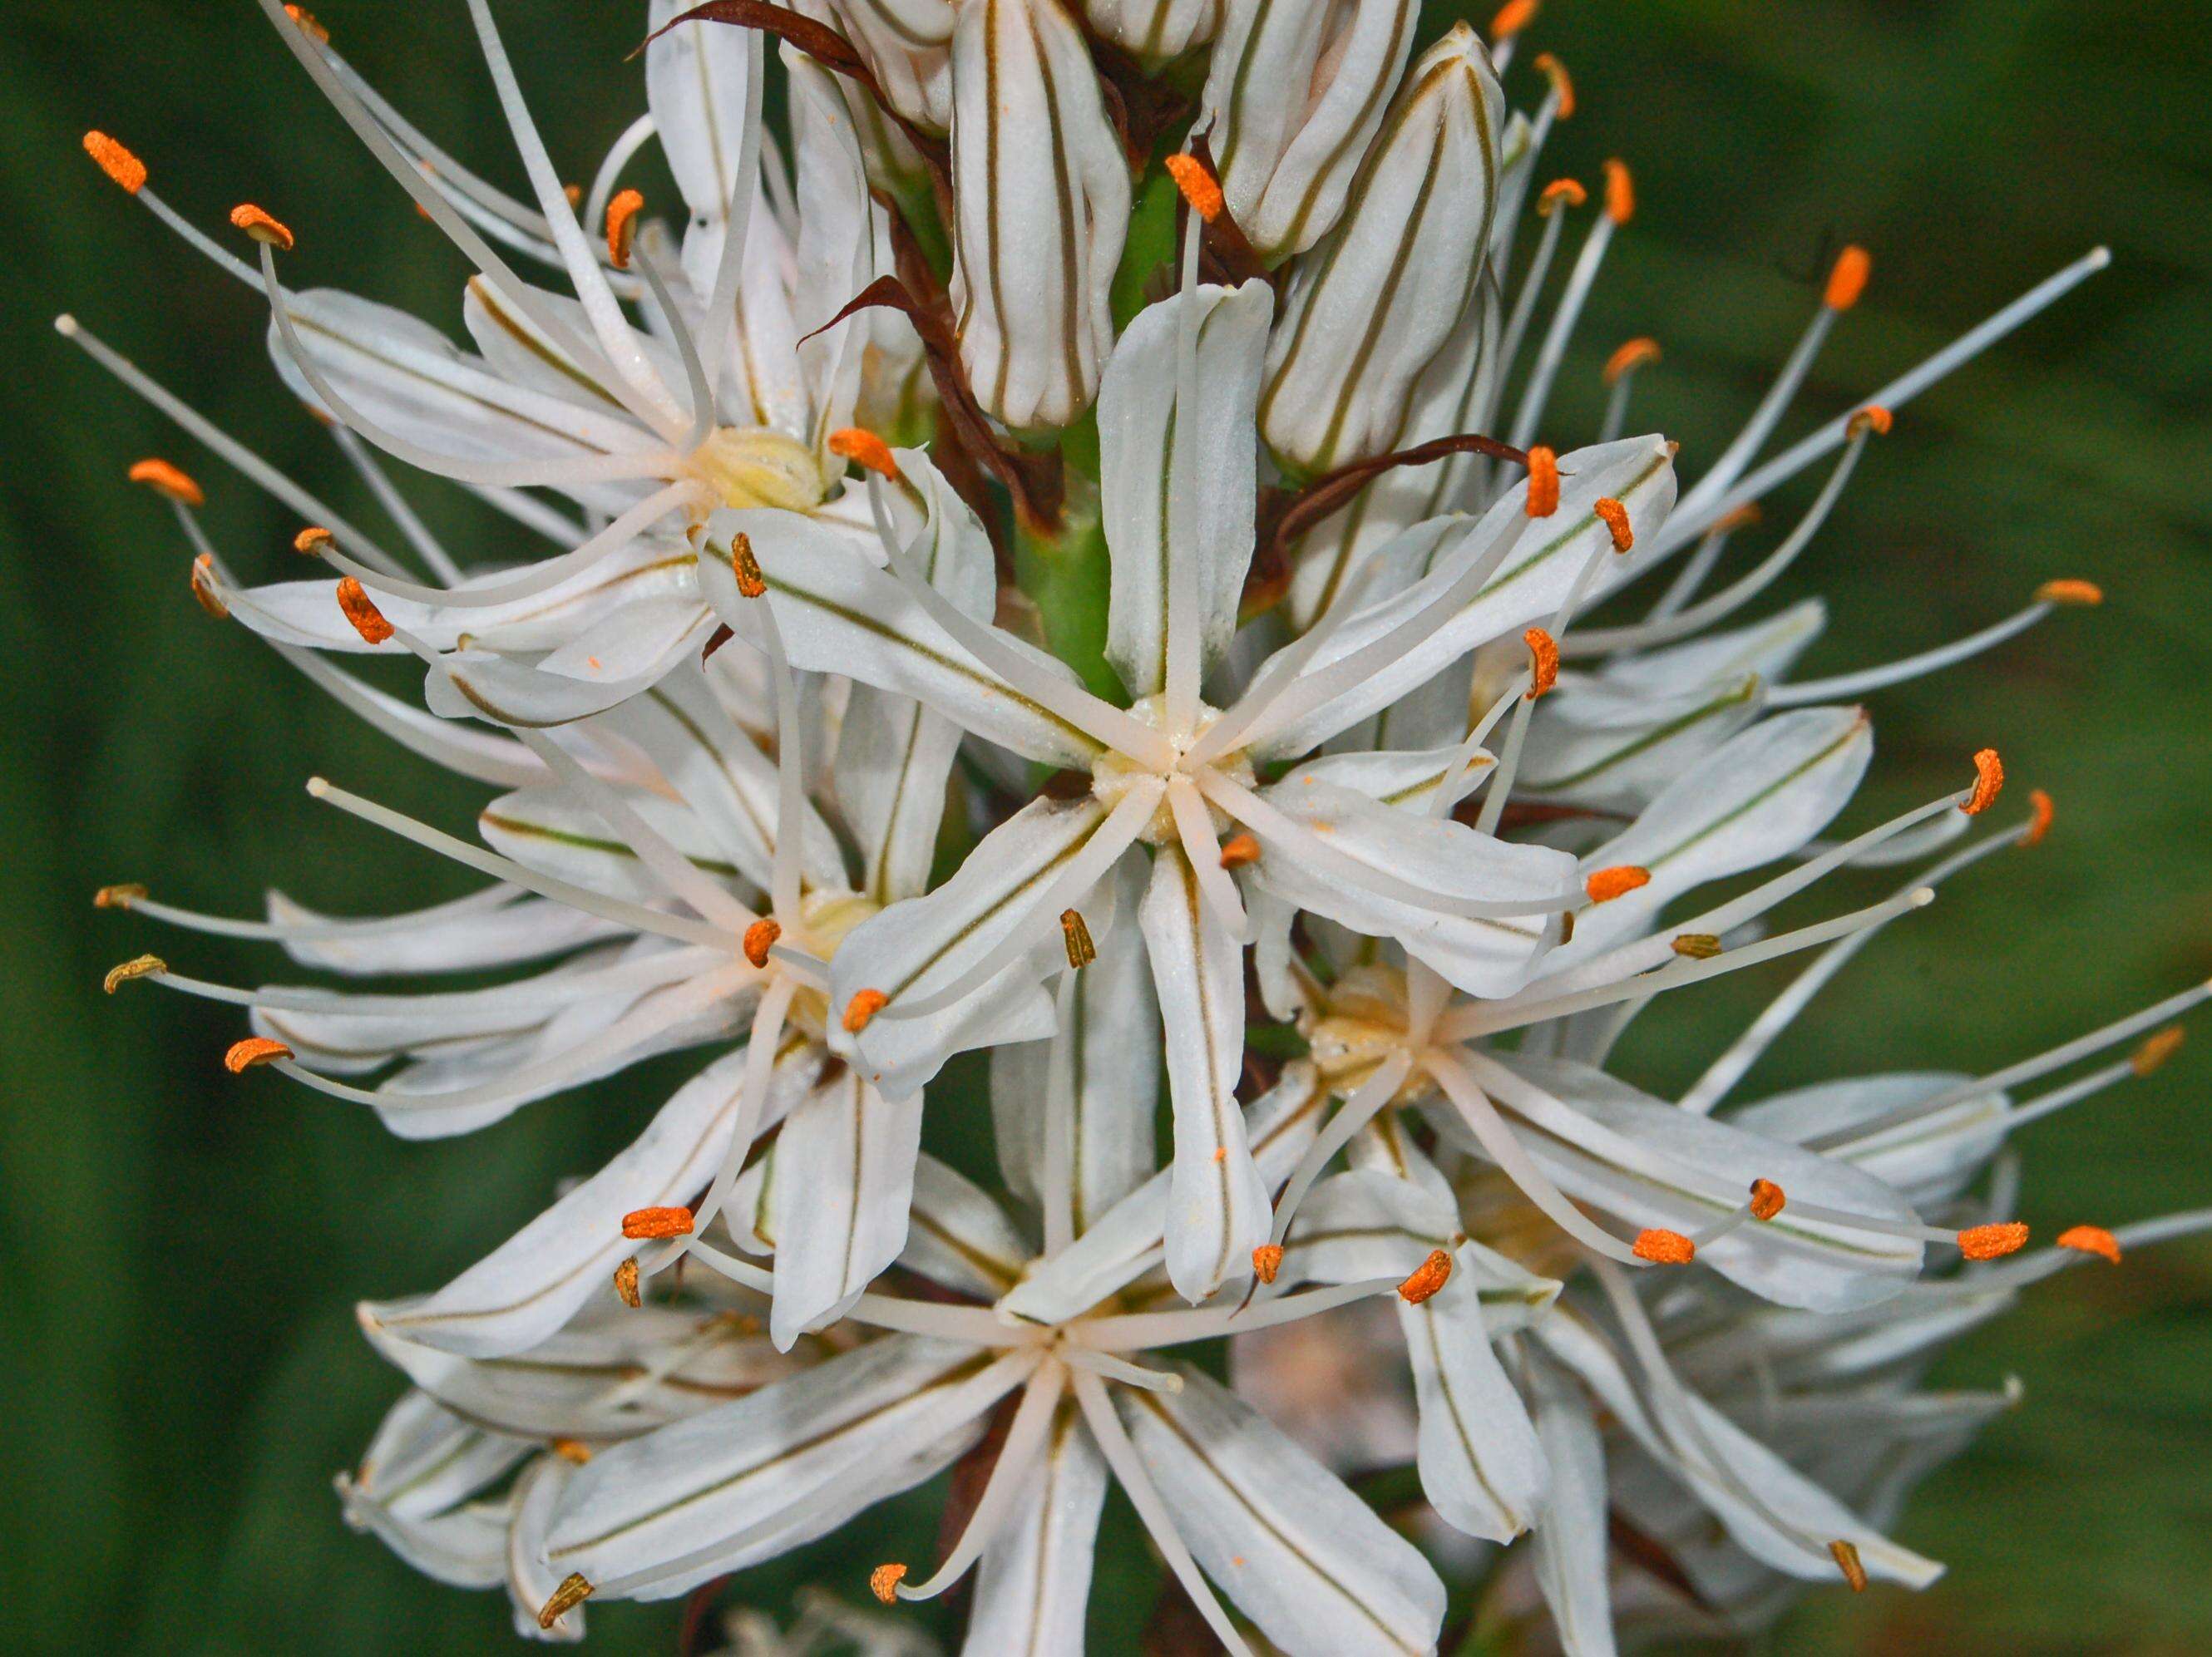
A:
x: 1368, y: 310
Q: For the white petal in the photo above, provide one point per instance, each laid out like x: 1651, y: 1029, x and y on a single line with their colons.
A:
x: 959, y: 1237
x: 1298, y: 1552
x: 495, y: 927
x: 710, y: 1479
x: 1033, y: 1583
x: 529, y: 1286
x: 1218, y: 1203
x: 1761, y: 796
x: 425, y: 1460
x: 1929, y: 1159
x: 839, y: 1190
x: 550, y: 830
x: 1141, y: 481
x: 1571, y: 1550
x: 1480, y: 1464
x: 694, y: 85
x: 530, y: 1583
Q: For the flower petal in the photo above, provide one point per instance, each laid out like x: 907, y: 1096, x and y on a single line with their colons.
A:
x: 839, y: 1190
x: 1033, y: 1583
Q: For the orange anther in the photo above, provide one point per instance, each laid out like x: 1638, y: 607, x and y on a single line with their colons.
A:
x: 574, y: 192
x: 118, y: 162
x: 864, y: 1006
x: 574, y: 1589
x: 361, y: 610
x: 1634, y: 355
x: 760, y: 938
x: 883, y: 1580
x: 141, y: 966
x: 2040, y: 811
x: 1697, y: 946
x: 1847, y: 1561
x: 1543, y: 481
x: 1543, y: 661
x: 1990, y: 1242
x: 645, y: 1222
x: 1619, y: 192
x: 2156, y: 1050
x: 1616, y: 521
x: 243, y: 1056
x: 2091, y: 1240
x: 1766, y: 1199
x: 1555, y: 71
x: 1873, y: 418
x: 1664, y: 1247
x: 864, y: 448
x: 118, y: 897
x: 1568, y: 190
x: 1604, y: 885
x: 305, y: 20
x: 1428, y: 1278
x: 751, y: 582
x: 2067, y: 591
x: 268, y: 231
x: 1741, y: 518
x: 1198, y: 186
x: 1848, y: 279
x: 165, y: 479
x: 1081, y: 951
x: 621, y: 226
x: 1989, y: 783
x: 1512, y: 17
x: 1238, y: 850
x: 204, y: 589
x: 626, y: 1284
x: 1267, y: 1260
x: 572, y: 1450
x: 314, y: 541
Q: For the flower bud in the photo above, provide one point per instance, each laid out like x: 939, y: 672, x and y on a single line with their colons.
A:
x: 905, y: 43
x: 1296, y: 89
x: 1155, y: 29
x: 1372, y: 304
x: 1041, y: 195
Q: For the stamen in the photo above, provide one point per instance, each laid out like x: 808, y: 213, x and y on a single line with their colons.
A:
x: 1081, y: 951
x: 1847, y: 280
x: 205, y: 587
x: 574, y: 1589
x: 2156, y: 1051
x: 118, y: 897
x: 751, y: 582
x: 862, y: 1008
x: 313, y: 542
x: 621, y: 226
x: 1988, y: 781
x: 1619, y: 192
x: 244, y: 1056
x: 1543, y: 481
x: 1267, y: 1260
x: 1993, y: 1241
x: 759, y: 938
x: 1563, y: 87
x: 263, y: 229
x: 1636, y: 354
x: 1872, y: 418
x: 1019, y: 1454
x: 1569, y: 191
x: 864, y: 448
x: 115, y: 160
x: 2091, y: 1240
x: 1368, y: 1099
x: 1847, y: 1561
x: 573, y: 1450
x: 1845, y: 686
x: 1766, y: 1199
x: 1428, y: 1279
x: 2041, y: 812
x: 883, y: 1580
x: 626, y: 1284
x: 1198, y: 186
x: 1696, y: 946
x: 1604, y: 885
x: 165, y: 479
x: 1238, y: 850
x: 142, y: 966
x: 1512, y: 17
x: 1664, y: 1247
x: 1543, y: 662
x: 308, y: 23
x: 642, y: 1224
x: 2067, y: 591
x: 361, y: 610
x: 1616, y: 520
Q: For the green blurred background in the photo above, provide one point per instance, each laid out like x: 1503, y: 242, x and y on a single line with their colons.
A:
x: 182, y: 1250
